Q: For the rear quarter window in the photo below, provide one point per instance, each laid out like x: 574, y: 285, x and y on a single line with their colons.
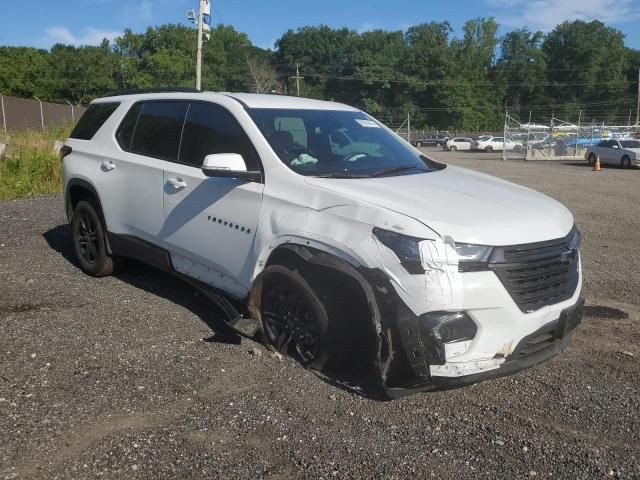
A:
x: 93, y: 119
x: 158, y: 129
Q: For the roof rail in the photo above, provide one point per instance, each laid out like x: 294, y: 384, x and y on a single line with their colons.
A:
x: 135, y: 91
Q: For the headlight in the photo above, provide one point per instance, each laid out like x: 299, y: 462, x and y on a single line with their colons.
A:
x: 468, y: 253
x: 406, y: 248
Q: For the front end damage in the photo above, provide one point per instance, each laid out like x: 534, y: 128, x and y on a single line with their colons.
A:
x: 470, y: 329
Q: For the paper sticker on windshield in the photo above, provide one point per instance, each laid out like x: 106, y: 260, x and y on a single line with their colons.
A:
x: 367, y: 123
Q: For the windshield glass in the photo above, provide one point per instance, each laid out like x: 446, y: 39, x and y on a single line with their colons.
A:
x: 340, y: 144
x: 630, y: 143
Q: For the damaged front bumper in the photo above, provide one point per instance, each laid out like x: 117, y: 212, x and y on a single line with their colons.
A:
x: 539, y: 346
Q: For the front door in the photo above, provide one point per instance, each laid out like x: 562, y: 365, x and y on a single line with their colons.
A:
x: 210, y: 223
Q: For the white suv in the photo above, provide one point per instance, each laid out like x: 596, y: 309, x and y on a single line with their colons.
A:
x: 321, y: 232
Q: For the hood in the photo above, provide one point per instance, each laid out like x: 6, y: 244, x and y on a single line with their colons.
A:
x: 470, y: 207
x: 634, y: 150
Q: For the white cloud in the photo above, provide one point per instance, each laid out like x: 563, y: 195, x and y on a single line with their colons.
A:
x: 546, y: 14
x: 146, y: 10
x: 368, y: 26
x: 91, y: 36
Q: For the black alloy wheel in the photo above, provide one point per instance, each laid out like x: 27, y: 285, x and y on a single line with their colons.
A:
x: 87, y: 238
x: 89, y: 241
x: 295, y: 322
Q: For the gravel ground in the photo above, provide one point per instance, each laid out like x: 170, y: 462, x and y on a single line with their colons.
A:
x: 134, y: 376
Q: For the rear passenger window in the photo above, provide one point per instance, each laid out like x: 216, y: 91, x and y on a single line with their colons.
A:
x: 211, y: 129
x: 93, y: 119
x: 128, y: 125
x: 157, y: 131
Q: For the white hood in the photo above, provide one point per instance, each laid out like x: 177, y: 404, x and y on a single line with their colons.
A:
x: 470, y: 207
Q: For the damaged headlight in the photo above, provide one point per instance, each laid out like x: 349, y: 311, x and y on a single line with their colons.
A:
x: 473, y: 257
x: 406, y: 248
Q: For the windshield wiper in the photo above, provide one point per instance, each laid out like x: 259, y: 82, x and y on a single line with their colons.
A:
x: 340, y: 174
x: 401, y: 168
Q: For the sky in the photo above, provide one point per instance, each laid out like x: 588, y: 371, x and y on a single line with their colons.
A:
x: 42, y: 23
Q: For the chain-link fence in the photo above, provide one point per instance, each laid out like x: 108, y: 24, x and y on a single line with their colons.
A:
x: 559, y: 140
x: 22, y: 113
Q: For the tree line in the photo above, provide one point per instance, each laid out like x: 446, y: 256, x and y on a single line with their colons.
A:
x: 442, y: 80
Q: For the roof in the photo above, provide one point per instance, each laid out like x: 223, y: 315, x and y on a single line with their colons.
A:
x: 250, y: 100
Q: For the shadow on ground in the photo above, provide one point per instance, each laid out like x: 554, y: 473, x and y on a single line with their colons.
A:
x: 357, y: 379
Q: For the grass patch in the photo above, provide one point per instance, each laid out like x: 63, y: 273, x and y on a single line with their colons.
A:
x: 30, y: 166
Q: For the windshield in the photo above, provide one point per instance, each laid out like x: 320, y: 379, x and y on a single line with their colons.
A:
x: 339, y: 144
x: 630, y: 143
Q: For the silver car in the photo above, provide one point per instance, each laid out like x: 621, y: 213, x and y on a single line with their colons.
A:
x: 625, y: 153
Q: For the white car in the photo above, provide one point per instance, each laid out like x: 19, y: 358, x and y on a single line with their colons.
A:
x: 624, y: 152
x: 458, y: 143
x: 322, y: 233
x: 494, y: 144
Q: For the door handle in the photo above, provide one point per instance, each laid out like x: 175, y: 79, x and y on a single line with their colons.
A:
x: 107, y: 166
x: 177, y: 183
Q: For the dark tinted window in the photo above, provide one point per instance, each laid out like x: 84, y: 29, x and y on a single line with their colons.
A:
x: 211, y: 129
x: 93, y: 119
x: 157, y: 133
x: 128, y: 125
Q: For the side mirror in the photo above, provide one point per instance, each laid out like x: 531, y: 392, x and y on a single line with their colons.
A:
x: 615, y: 146
x: 229, y: 165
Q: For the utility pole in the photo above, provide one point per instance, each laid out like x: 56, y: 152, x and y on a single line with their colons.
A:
x: 199, y: 54
x: 408, y: 127
x: 204, y: 13
x: 298, y: 78
x: 638, y: 105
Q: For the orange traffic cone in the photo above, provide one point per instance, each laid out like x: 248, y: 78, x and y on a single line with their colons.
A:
x: 596, y: 165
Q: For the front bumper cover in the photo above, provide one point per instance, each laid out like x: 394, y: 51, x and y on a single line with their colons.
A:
x: 538, y: 347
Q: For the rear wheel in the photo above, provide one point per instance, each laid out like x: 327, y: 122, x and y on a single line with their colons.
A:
x: 296, y: 321
x: 625, y: 162
x: 592, y: 159
x: 89, y: 241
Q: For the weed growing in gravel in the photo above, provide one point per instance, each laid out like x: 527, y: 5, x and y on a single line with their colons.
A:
x: 30, y: 166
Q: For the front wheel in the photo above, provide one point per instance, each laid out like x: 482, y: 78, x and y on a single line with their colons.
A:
x: 625, y: 162
x: 89, y: 242
x: 296, y: 322
x: 488, y: 149
x: 452, y: 148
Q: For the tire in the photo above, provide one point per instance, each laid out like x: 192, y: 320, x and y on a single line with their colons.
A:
x: 625, y: 162
x: 297, y: 318
x: 452, y: 148
x: 488, y: 149
x: 89, y: 241
x: 592, y: 159
x: 418, y: 144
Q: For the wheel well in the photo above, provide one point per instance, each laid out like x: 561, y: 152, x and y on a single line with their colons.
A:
x: 83, y: 191
x: 337, y: 286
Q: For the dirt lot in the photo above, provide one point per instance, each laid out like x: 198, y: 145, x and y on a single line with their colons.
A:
x: 134, y: 376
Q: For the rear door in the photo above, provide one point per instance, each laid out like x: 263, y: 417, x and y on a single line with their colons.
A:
x: 209, y: 224
x: 130, y: 178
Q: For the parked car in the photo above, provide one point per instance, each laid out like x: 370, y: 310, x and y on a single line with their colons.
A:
x: 625, y: 153
x: 494, y: 144
x: 458, y: 143
x: 317, y: 230
x: 430, y: 141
